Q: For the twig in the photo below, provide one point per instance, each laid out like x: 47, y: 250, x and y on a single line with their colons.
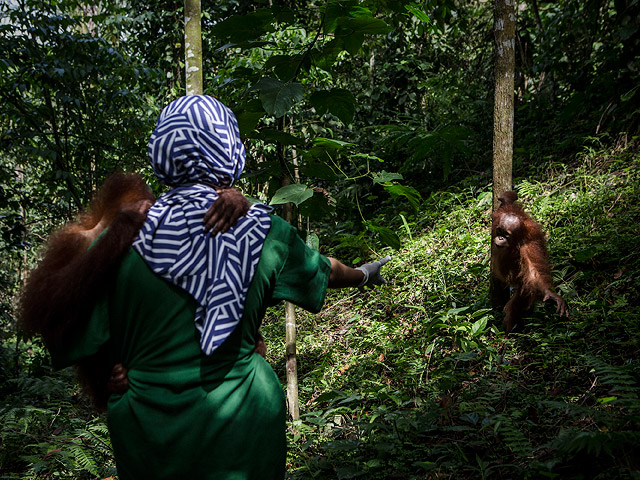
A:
x: 324, y: 310
x: 584, y: 395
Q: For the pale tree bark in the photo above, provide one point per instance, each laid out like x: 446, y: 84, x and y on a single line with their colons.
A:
x: 293, y: 404
x: 193, y: 47
x: 505, y: 32
x: 505, y: 29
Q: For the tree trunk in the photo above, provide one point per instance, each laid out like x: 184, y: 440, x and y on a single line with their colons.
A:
x: 505, y: 28
x: 293, y: 404
x: 192, y: 47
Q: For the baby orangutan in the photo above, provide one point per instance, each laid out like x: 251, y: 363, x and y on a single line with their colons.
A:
x: 519, y: 261
x: 62, y: 290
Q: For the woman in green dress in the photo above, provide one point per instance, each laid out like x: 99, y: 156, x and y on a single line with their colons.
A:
x: 183, y: 312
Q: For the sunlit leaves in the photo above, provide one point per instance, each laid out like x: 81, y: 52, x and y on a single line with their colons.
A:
x: 312, y: 241
x: 417, y: 11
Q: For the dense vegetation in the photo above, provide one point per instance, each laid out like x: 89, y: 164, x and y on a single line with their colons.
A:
x: 379, y: 113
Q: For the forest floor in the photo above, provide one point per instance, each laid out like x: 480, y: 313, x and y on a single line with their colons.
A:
x: 417, y: 379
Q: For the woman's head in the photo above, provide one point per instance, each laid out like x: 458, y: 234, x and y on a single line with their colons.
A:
x: 196, y: 140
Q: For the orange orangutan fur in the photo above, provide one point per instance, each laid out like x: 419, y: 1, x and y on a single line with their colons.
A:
x: 61, y: 291
x: 519, y: 260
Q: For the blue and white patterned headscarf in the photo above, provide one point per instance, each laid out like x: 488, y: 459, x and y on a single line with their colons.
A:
x: 195, y: 148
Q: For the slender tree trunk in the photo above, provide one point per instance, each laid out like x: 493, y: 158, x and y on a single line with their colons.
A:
x: 505, y: 27
x: 293, y: 404
x: 192, y: 47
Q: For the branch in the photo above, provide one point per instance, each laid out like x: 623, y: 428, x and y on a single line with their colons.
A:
x: 308, y: 50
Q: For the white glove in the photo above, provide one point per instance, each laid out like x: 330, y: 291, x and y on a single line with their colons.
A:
x: 372, y: 273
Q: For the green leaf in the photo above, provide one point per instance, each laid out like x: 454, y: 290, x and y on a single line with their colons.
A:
x: 278, y: 97
x: 240, y: 28
x: 272, y: 136
x: 353, y: 42
x: 409, y: 193
x: 364, y: 25
x: 285, y: 66
x: 319, y: 206
x: 245, y: 45
x: 586, y: 254
x: 625, y: 97
x: 337, y: 10
x: 384, y: 177
x: 337, y: 101
x: 326, y: 56
x: 317, y: 167
x: 387, y: 236
x: 247, y: 122
x: 330, y: 144
x: 330, y: 395
x: 312, y: 241
x: 283, y: 14
x: 295, y: 193
x: 415, y: 10
x: 478, y: 327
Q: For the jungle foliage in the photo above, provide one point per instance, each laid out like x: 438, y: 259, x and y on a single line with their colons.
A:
x: 376, y: 118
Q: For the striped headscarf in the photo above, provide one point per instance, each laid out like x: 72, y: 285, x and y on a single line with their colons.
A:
x: 195, y: 148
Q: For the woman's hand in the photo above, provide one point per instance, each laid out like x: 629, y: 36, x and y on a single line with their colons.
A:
x: 118, y: 382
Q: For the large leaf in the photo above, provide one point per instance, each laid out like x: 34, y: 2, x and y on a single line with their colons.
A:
x: 318, y: 167
x: 327, y: 55
x: 240, y: 28
x: 285, y: 66
x: 295, y: 193
x: 284, y: 138
x: 330, y: 143
x: 319, y: 206
x: 337, y: 101
x: 247, y: 122
x: 353, y: 42
x: 337, y: 10
x: 386, y: 235
x: 409, y: 193
x: 278, y: 97
x: 364, y: 25
x: 248, y: 116
x: 384, y: 177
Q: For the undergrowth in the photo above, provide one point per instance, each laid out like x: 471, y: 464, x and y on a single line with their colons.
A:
x: 417, y: 380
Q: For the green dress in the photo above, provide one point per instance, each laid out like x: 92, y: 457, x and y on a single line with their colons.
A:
x: 187, y: 415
